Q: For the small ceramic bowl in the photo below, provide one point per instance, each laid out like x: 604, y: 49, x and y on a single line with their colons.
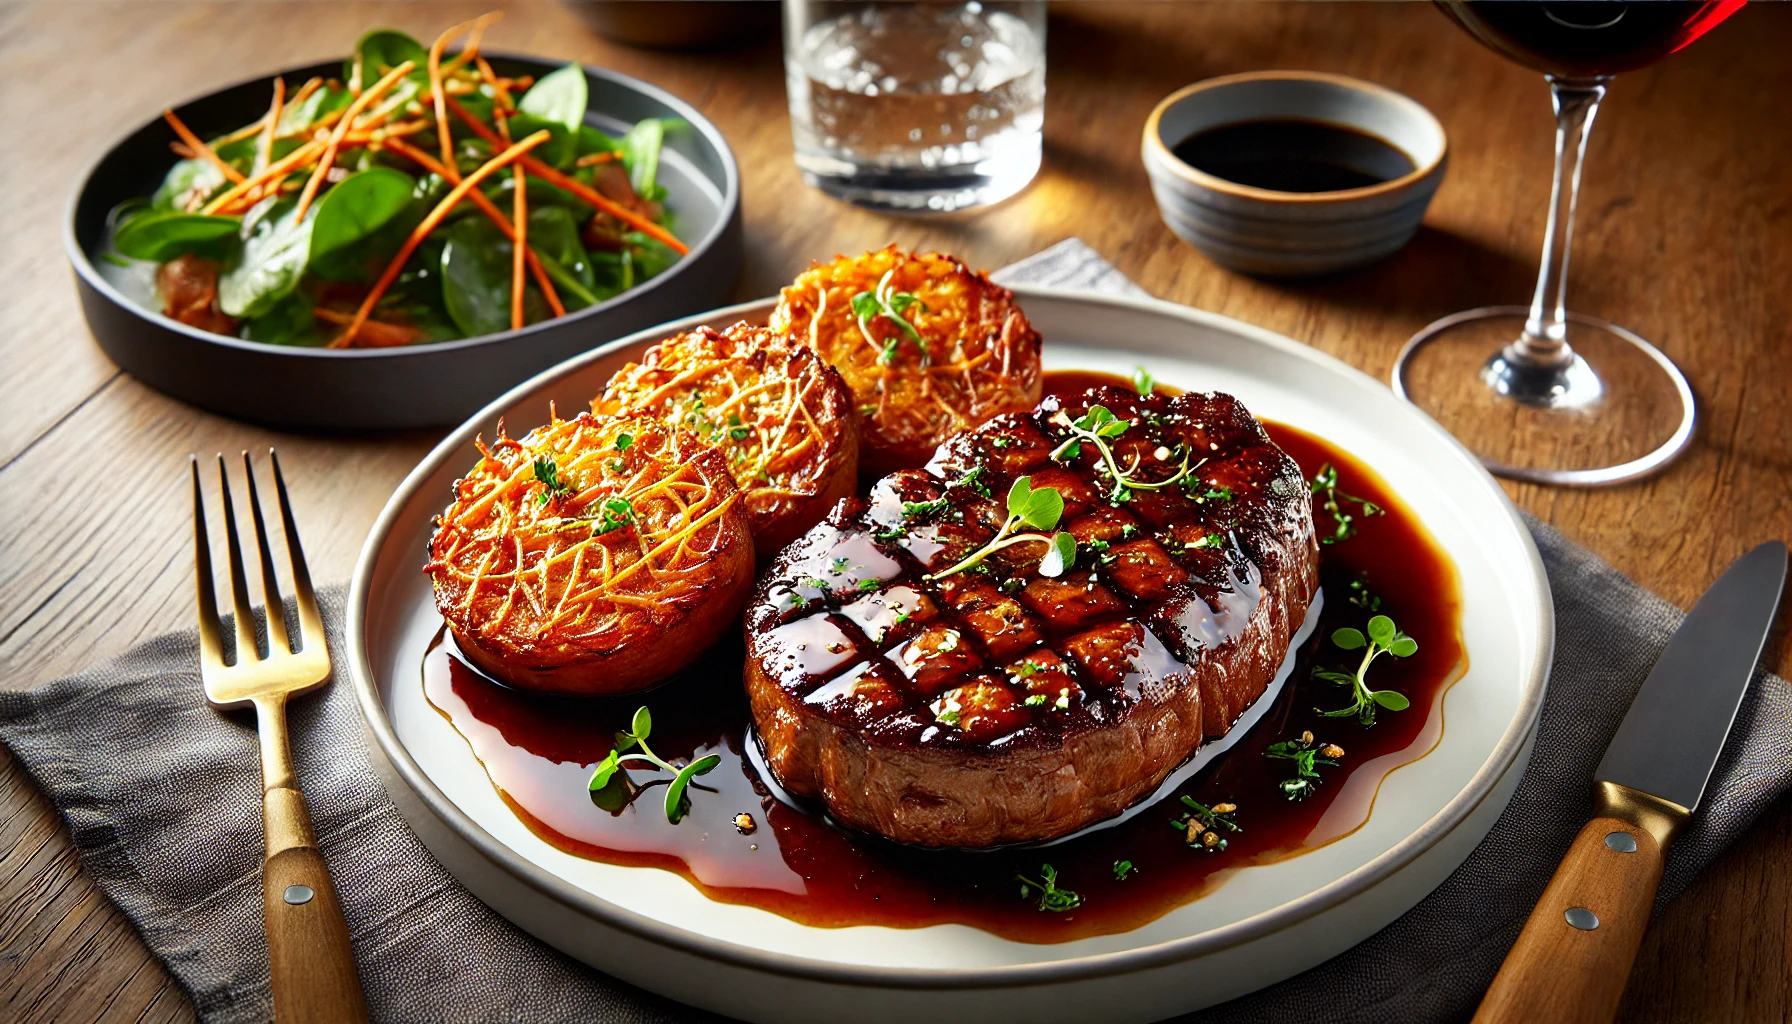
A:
x: 1286, y: 234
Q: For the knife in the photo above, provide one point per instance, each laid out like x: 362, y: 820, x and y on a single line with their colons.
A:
x: 1573, y: 957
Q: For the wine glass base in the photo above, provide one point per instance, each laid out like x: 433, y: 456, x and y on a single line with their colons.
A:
x: 1618, y: 410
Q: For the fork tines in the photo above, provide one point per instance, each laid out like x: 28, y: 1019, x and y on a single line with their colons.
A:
x: 210, y: 624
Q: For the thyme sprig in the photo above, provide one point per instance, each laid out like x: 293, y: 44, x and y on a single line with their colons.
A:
x: 1200, y: 825
x: 610, y: 769
x: 1307, y: 756
x: 884, y: 301
x: 1097, y: 427
x: 1051, y: 897
x: 1039, y: 508
x: 1383, y: 638
x: 1344, y: 523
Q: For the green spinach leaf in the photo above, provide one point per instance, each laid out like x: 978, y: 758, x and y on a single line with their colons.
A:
x: 351, y: 216
x: 383, y: 49
x: 276, y: 247
x: 161, y: 235
x: 187, y: 183
x: 289, y: 322
x: 641, y: 153
x: 476, y: 279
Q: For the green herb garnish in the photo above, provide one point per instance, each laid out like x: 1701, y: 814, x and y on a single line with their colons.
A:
x: 1122, y: 868
x: 547, y: 471
x: 1383, y: 638
x: 1098, y: 426
x: 614, y: 514
x: 1326, y: 483
x: 1142, y: 381
x: 610, y: 768
x: 885, y: 302
x: 1200, y: 825
x: 1040, y: 509
x: 1307, y: 758
x: 623, y: 441
x: 1051, y: 897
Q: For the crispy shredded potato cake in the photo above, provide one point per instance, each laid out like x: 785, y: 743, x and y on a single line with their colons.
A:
x: 780, y: 416
x: 928, y: 346
x: 592, y: 556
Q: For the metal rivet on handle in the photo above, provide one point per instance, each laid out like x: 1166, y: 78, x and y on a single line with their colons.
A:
x: 1623, y: 842
x: 297, y: 894
x: 1582, y: 918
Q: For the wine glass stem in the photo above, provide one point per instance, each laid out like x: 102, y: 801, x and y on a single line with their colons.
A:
x: 1545, y: 338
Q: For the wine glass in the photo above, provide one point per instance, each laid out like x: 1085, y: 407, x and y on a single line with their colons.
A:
x: 1562, y: 398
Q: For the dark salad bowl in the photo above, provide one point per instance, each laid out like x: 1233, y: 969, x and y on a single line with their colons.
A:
x: 412, y: 386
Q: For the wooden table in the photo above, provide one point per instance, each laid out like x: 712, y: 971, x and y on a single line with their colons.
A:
x: 1685, y: 235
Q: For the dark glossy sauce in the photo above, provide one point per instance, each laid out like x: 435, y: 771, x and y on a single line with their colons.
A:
x: 1294, y: 156
x: 539, y: 752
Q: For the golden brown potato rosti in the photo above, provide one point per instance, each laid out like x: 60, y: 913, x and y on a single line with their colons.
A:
x: 780, y: 416
x: 592, y: 556
x: 928, y: 346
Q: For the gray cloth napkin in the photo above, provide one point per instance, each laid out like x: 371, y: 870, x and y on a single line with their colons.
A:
x: 161, y: 794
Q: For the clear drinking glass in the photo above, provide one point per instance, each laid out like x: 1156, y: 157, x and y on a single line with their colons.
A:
x: 916, y: 107
x: 1538, y: 392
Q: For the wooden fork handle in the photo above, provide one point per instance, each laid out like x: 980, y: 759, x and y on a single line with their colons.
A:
x: 1573, y: 957
x: 312, y: 962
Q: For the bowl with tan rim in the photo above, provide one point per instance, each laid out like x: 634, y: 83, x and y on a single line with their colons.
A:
x: 1275, y: 233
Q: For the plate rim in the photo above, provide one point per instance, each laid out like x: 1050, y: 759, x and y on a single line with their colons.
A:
x: 730, y: 188
x: 1285, y: 915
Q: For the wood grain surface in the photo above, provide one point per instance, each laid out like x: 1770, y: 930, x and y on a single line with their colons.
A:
x: 1685, y: 236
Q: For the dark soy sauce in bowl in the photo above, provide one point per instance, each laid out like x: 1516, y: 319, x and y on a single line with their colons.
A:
x: 1294, y: 156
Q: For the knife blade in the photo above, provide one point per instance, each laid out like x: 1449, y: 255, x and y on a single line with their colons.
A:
x: 1669, y: 740
x: 1573, y: 957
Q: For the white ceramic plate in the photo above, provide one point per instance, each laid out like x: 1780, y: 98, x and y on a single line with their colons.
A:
x: 1241, y: 935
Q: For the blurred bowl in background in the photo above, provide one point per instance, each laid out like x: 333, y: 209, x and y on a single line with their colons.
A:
x: 1272, y: 233
x: 682, y: 24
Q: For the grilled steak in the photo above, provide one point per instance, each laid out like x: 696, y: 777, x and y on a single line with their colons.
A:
x: 995, y: 704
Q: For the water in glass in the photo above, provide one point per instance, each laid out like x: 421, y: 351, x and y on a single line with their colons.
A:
x: 916, y: 107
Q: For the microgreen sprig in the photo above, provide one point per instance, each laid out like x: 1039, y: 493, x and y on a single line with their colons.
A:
x: 1051, y: 897
x: 614, y: 514
x: 547, y: 471
x: 1307, y: 757
x: 1097, y: 427
x: 1039, y: 508
x: 890, y: 304
x: 1326, y: 483
x: 1142, y: 380
x: 1383, y: 638
x: 677, y: 804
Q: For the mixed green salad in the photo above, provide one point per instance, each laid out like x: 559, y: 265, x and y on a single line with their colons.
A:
x: 386, y: 208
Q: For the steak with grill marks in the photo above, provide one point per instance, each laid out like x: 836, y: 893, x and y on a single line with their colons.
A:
x: 997, y: 705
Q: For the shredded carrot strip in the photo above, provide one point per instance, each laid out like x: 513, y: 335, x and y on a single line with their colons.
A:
x: 376, y: 333
x: 448, y: 203
x: 342, y: 126
x: 520, y: 215
x: 573, y: 185
x: 265, y: 153
x: 498, y: 85
x: 475, y: 36
x: 593, y: 159
x: 487, y: 207
x: 279, y: 168
x: 204, y: 151
x: 440, y: 93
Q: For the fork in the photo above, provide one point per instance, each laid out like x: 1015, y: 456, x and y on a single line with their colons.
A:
x: 312, y: 964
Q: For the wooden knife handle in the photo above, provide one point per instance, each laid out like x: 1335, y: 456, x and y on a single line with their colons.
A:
x: 1573, y: 957
x: 312, y: 962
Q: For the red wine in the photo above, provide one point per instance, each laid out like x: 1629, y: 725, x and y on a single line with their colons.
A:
x: 1584, y: 38
x: 1293, y: 156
